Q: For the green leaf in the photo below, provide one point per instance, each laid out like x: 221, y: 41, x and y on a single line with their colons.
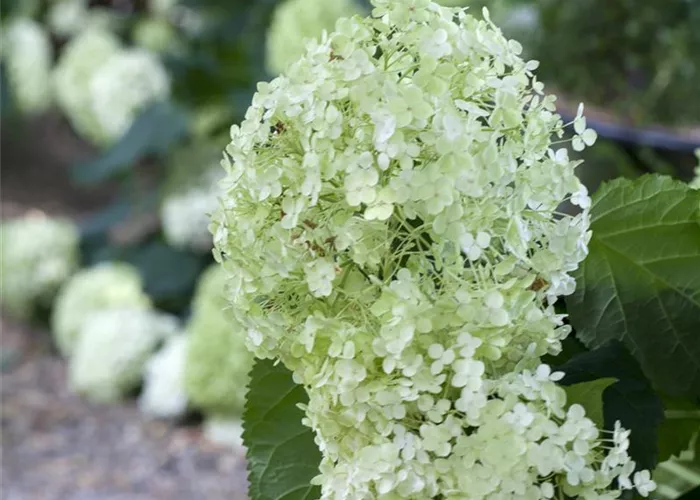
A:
x: 153, y: 132
x: 681, y: 423
x: 641, y: 281
x: 282, y: 454
x: 590, y: 396
x: 631, y: 399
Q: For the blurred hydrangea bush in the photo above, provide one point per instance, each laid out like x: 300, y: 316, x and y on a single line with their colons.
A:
x: 163, y: 394
x: 191, y: 196
x: 112, y: 348
x: 28, y: 55
x: 102, y: 87
x: 218, y: 362
x: 105, y: 286
x: 295, y: 22
x: 38, y: 255
x: 79, y: 61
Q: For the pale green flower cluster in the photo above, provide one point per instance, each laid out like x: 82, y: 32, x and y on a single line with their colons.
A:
x: 79, y: 61
x: 122, y: 86
x: 112, y: 349
x: 163, y: 393
x: 67, y: 18
x: 185, y: 213
x: 105, y: 286
x: 154, y: 33
x: 101, y: 87
x: 217, y: 361
x: 390, y: 232
x: 28, y: 55
x: 38, y: 255
x: 294, y: 22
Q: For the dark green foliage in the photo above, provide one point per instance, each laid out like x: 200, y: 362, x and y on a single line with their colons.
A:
x: 154, y: 132
x: 640, y: 283
x: 631, y: 399
x: 641, y: 58
x: 282, y: 454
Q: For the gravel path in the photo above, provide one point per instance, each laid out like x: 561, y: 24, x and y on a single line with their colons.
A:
x: 56, y: 446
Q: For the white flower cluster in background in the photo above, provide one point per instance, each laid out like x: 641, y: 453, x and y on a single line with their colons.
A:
x: 112, y: 349
x: 163, y: 393
x: 294, y: 22
x: 28, y: 56
x: 102, y: 87
x: 38, y: 254
x: 218, y: 362
x: 185, y: 213
x: 105, y: 286
x: 122, y: 86
x: 79, y: 61
x: 67, y: 18
x: 390, y: 232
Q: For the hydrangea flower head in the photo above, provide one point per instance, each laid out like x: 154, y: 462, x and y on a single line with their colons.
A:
x: 28, y: 57
x: 185, y: 213
x: 390, y: 230
x: 163, y: 393
x: 217, y: 361
x: 79, y: 61
x: 122, y: 86
x: 105, y: 286
x: 38, y: 254
x: 294, y: 22
x: 112, y: 350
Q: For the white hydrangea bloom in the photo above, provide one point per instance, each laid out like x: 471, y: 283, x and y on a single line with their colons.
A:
x: 79, y: 61
x: 122, y: 86
x: 224, y: 432
x: 28, y: 56
x: 294, y: 22
x: 105, y: 286
x: 38, y: 254
x: 391, y: 234
x: 163, y: 393
x: 186, y: 214
x: 112, y: 349
x: 218, y: 363
x: 67, y: 18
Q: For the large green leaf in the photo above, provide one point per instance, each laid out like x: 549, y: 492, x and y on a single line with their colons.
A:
x: 282, y: 454
x: 641, y: 281
x: 153, y: 132
x: 631, y: 399
x: 590, y: 396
